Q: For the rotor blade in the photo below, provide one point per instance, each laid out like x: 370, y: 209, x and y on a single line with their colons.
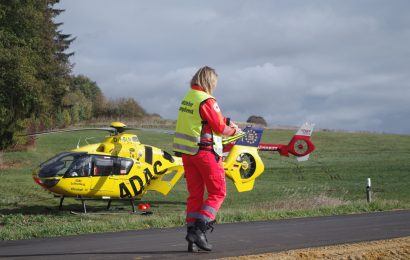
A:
x: 111, y: 130
x: 157, y: 130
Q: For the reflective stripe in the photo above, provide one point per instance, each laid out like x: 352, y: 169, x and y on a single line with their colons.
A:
x: 232, y: 138
x: 209, y: 209
x: 187, y: 137
x: 193, y: 150
x: 206, y: 135
x: 198, y: 216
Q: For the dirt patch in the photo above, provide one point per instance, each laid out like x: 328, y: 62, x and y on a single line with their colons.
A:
x: 13, y: 164
x: 384, y: 249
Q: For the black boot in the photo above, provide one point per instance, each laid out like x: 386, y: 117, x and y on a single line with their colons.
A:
x: 192, y: 248
x: 196, y: 235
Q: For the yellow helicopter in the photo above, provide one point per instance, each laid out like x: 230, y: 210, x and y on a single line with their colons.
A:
x: 121, y: 167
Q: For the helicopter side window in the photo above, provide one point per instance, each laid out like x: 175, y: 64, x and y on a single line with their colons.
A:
x: 80, y: 167
x: 103, y: 166
x: 122, y: 166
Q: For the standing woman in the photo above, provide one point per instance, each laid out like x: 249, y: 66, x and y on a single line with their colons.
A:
x: 198, y: 138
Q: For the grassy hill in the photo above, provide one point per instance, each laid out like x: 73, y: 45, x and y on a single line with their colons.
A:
x: 333, y: 181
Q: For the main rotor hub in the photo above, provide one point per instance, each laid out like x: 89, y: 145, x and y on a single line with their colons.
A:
x: 118, y: 126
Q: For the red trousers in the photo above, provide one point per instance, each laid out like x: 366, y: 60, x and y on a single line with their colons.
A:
x: 203, y: 170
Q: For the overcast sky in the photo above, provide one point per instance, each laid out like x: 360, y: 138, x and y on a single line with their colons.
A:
x: 340, y: 64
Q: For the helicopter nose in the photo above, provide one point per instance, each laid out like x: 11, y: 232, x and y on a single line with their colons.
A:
x: 39, y: 181
x: 45, y: 182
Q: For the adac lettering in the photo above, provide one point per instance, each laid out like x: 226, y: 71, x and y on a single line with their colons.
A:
x: 156, y: 164
x: 137, y: 184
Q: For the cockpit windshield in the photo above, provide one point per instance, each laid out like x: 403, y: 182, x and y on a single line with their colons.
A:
x: 59, y: 164
x: 77, y: 164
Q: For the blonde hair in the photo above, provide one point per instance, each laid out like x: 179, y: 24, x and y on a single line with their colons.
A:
x: 206, y: 78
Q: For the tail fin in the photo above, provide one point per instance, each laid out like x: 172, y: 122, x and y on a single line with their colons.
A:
x: 305, y: 130
x: 301, y: 146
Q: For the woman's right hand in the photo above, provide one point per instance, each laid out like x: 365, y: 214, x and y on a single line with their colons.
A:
x: 236, y: 127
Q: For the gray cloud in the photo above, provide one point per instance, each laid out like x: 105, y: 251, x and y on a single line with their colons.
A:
x: 341, y: 64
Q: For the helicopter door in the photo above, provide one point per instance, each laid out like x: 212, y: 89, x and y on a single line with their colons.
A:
x: 101, y: 174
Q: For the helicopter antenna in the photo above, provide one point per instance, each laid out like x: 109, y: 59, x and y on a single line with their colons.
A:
x: 88, y: 138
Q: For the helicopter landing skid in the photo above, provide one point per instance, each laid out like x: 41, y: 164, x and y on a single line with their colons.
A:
x: 145, y: 213
x: 83, y: 200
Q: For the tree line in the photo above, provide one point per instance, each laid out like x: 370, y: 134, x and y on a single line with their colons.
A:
x: 37, y: 88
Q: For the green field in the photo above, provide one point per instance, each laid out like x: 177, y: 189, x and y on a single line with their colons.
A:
x: 333, y: 181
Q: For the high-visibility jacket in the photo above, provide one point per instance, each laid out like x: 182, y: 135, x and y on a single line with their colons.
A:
x: 189, y: 125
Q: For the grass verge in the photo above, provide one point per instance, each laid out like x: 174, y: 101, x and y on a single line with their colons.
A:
x: 332, y: 182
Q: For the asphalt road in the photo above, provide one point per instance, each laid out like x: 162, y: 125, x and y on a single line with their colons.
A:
x: 228, y: 239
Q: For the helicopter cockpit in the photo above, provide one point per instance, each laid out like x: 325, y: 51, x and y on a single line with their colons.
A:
x: 80, y: 164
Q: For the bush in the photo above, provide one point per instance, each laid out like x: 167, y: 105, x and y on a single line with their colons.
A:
x: 66, y: 118
x: 257, y: 120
